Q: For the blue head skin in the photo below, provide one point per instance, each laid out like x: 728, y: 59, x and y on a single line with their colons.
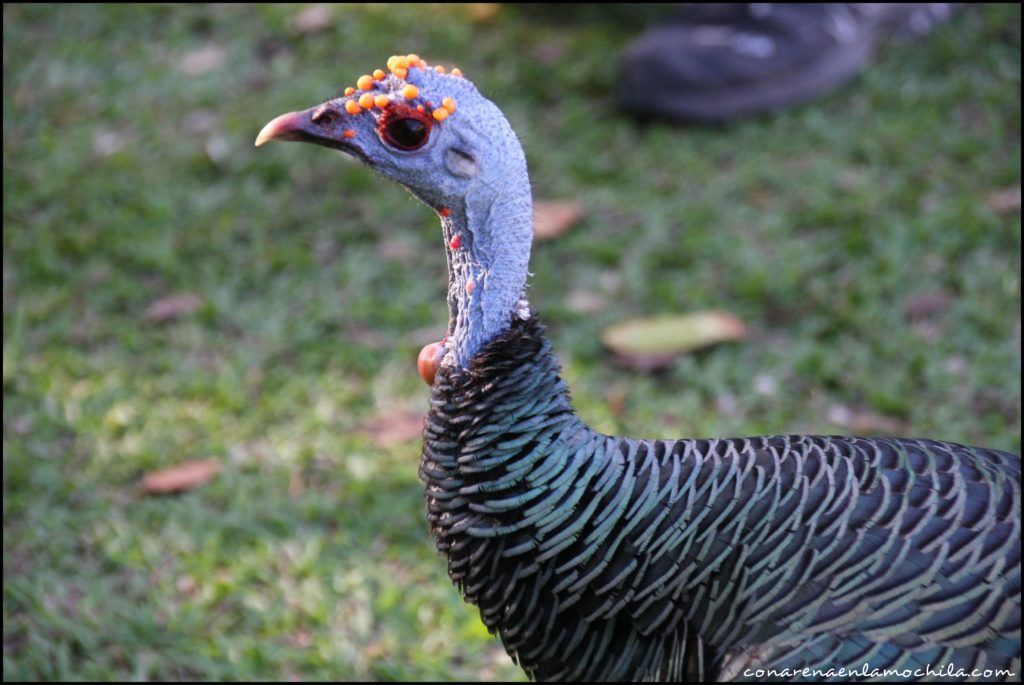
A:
x: 467, y: 166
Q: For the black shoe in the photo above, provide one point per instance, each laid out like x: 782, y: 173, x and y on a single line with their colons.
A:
x: 716, y: 63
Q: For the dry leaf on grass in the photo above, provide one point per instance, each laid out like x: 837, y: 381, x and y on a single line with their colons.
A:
x: 395, y: 428
x: 173, y: 307
x: 184, y: 476
x: 652, y: 343
x: 553, y: 218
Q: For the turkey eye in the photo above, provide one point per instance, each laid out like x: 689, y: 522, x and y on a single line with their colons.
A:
x: 406, y: 134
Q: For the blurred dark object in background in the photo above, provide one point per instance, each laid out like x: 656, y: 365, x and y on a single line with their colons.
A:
x: 718, y: 62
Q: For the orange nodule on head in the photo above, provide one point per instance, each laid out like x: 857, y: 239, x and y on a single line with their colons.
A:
x: 365, y: 82
x: 399, y: 66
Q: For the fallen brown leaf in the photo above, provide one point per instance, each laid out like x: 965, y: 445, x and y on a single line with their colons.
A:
x: 652, y: 343
x: 184, y: 476
x: 313, y: 19
x: 1005, y: 201
x: 552, y: 218
x: 395, y: 428
x: 173, y: 307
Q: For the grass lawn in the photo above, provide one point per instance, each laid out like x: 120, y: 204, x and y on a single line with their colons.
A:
x: 866, y: 240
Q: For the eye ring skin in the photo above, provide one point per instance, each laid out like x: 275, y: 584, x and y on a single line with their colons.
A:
x: 404, y: 128
x: 406, y: 133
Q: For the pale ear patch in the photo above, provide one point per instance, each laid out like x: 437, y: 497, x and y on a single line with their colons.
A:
x: 460, y: 163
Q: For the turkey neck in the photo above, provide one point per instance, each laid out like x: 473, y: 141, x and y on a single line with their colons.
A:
x: 487, y: 232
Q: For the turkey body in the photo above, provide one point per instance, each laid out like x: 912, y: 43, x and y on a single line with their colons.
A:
x: 596, y: 557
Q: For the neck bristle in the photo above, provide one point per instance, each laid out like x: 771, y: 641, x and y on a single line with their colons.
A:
x: 487, y: 237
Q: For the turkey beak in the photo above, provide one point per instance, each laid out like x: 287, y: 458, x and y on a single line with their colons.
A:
x: 291, y: 126
x: 318, y: 125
